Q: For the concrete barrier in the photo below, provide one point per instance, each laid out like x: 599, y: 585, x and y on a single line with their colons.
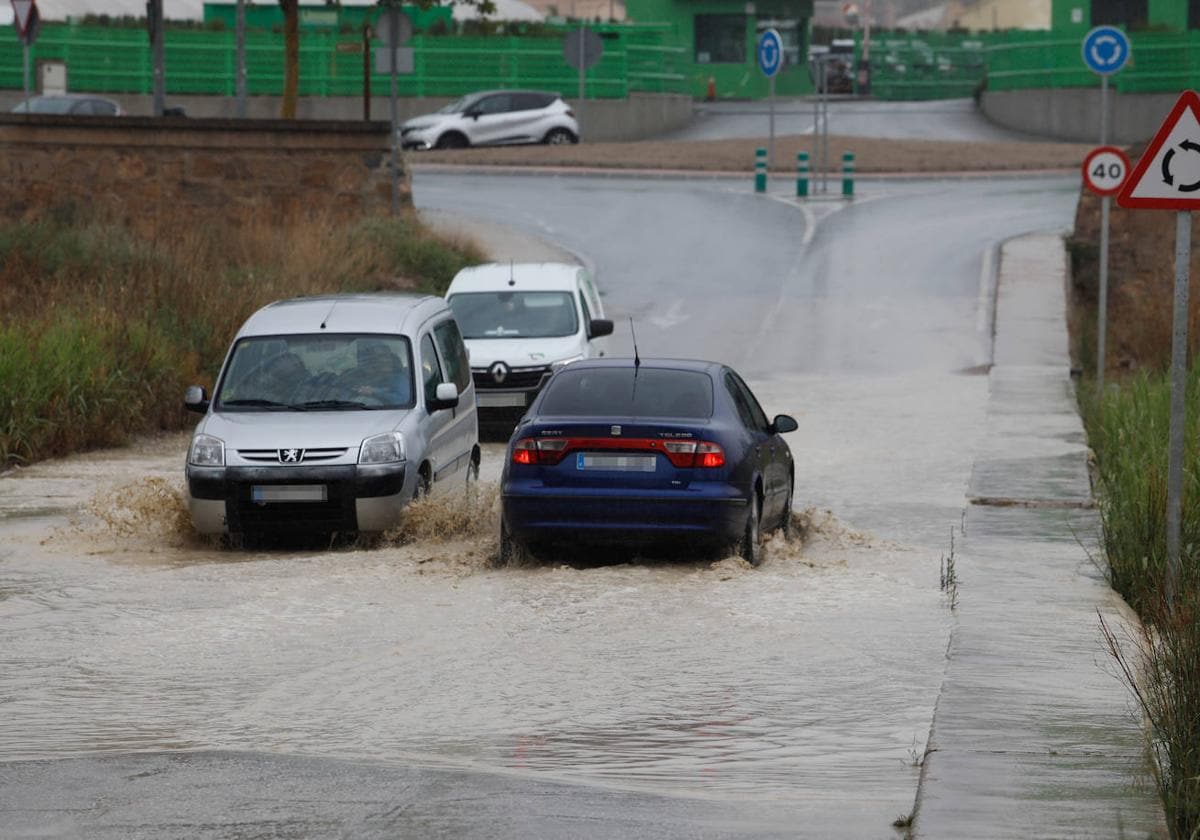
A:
x: 638, y: 117
x: 1074, y: 113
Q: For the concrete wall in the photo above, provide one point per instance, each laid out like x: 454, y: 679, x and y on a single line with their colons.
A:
x: 1074, y: 113
x: 141, y: 168
x: 640, y: 116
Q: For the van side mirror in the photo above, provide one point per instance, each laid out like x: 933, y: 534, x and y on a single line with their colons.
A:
x: 599, y: 327
x: 783, y: 423
x: 446, y: 396
x: 196, y: 399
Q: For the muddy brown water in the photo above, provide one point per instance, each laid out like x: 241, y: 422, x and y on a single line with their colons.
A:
x: 808, y: 680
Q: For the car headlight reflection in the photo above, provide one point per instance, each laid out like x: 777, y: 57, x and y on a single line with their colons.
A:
x: 382, y: 449
x: 207, y: 451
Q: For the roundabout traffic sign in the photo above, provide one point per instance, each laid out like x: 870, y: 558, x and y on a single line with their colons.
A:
x: 1105, y: 50
x: 770, y: 53
x: 1167, y: 176
x: 1105, y: 170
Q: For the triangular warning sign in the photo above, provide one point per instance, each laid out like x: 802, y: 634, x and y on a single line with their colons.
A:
x: 21, y: 12
x: 1167, y: 176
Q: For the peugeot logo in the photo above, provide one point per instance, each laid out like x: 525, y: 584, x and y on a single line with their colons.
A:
x: 291, y: 456
x: 499, y: 372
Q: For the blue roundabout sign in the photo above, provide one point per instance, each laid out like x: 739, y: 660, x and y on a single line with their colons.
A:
x: 770, y: 53
x: 1106, y: 50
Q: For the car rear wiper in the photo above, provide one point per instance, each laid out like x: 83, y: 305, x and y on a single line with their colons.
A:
x: 332, y: 405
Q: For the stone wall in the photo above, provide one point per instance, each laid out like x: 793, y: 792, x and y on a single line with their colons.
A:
x: 1074, y: 113
x: 142, y: 168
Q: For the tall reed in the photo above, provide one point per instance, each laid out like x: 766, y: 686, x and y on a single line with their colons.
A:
x: 101, y: 328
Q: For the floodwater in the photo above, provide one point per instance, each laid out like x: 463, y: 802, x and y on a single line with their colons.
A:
x: 808, y: 681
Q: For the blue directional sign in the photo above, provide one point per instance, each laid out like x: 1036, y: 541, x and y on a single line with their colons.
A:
x: 1105, y: 50
x: 770, y: 53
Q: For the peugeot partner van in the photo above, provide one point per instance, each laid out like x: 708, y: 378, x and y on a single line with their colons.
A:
x: 329, y: 415
x: 521, y: 322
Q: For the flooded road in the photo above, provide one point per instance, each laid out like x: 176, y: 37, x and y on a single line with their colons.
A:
x: 683, y: 697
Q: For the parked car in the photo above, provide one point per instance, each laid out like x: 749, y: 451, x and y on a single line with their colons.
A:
x: 522, y: 322
x: 493, y: 118
x: 646, y: 451
x: 329, y: 415
x: 75, y: 104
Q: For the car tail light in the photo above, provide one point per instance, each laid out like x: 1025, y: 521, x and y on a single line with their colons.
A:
x: 685, y: 454
x: 541, y: 451
x: 689, y: 453
x: 709, y: 455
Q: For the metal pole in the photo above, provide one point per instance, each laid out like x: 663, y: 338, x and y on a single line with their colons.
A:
x: 771, y: 132
x: 1179, y: 342
x: 240, y: 82
x: 1104, y: 110
x: 25, y: 61
x: 393, y: 45
x: 582, y: 71
x: 816, y: 152
x: 1102, y: 315
x: 825, y: 127
x: 160, y: 73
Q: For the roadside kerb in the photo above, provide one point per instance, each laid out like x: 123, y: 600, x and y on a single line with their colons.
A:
x: 1033, y: 734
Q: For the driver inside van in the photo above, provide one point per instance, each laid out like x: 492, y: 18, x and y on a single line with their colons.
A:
x: 380, y: 375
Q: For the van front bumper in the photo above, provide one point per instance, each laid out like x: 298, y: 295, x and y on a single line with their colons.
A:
x: 298, y: 500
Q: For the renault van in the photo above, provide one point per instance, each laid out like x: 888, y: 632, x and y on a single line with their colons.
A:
x: 329, y: 415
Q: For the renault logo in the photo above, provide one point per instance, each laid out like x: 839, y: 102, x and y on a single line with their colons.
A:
x: 291, y: 456
x: 499, y: 372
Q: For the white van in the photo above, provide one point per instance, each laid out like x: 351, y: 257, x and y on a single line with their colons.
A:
x: 521, y: 322
x: 330, y: 414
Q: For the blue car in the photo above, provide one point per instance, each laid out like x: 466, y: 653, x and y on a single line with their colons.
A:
x: 644, y: 452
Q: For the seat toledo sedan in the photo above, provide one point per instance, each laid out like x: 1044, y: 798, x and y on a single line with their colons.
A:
x: 615, y: 450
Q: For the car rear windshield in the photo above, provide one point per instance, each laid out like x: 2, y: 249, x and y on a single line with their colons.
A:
x: 322, y: 372
x: 624, y: 392
x: 515, y: 314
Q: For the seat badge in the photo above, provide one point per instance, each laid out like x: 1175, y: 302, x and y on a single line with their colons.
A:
x: 616, y: 430
x: 291, y: 456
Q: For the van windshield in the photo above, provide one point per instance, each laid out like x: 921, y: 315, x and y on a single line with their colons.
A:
x: 321, y: 372
x: 515, y: 314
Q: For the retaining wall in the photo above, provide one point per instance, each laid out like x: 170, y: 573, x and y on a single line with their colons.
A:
x: 638, y: 117
x: 141, y: 168
x: 1074, y: 113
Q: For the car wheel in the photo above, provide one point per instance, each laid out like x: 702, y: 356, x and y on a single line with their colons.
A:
x: 512, y: 551
x: 752, y: 547
x: 785, y: 523
x: 558, y: 137
x: 424, y: 485
x: 452, y: 140
x: 473, y: 467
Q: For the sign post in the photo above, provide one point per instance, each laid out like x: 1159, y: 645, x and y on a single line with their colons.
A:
x: 27, y: 21
x: 770, y: 59
x: 1104, y: 172
x: 1167, y: 177
x: 1105, y: 51
x: 582, y: 49
x: 395, y: 29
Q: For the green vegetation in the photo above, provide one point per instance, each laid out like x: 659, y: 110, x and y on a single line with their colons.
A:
x: 1129, y: 432
x: 102, y: 326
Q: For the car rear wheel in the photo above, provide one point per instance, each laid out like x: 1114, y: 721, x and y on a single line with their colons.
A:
x: 785, y: 524
x: 512, y: 552
x: 452, y: 140
x: 559, y: 137
x: 752, y: 547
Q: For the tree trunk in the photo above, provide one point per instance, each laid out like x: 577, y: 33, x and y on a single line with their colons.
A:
x: 291, y: 56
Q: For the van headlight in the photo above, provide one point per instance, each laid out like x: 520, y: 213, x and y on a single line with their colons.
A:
x: 382, y: 449
x: 562, y: 363
x: 207, y: 451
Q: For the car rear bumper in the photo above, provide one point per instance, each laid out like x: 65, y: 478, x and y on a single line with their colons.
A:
x: 712, y: 513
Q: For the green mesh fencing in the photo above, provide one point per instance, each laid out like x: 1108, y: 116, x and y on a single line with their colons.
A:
x: 117, y: 60
x: 929, y: 67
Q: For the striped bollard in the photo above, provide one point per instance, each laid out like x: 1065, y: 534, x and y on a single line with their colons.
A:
x: 760, y: 170
x: 802, y: 175
x: 848, y: 175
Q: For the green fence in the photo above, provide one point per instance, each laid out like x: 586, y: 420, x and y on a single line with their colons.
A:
x: 929, y: 67
x: 116, y: 60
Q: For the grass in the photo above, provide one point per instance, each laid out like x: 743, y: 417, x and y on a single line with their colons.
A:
x: 102, y: 326
x: 1128, y: 430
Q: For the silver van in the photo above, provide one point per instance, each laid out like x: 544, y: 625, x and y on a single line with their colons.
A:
x: 330, y: 414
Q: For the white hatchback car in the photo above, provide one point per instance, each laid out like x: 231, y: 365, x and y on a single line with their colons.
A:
x: 521, y: 322
x: 330, y: 414
x: 494, y: 118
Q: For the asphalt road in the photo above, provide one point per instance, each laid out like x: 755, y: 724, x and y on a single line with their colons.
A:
x: 152, y: 690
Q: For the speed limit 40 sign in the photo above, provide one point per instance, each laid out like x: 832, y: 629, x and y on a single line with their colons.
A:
x: 1105, y: 170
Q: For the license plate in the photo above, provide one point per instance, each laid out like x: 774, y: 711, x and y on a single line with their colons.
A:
x: 617, y: 463
x: 499, y: 400
x: 289, y: 493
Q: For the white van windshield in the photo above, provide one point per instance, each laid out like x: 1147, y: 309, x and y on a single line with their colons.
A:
x: 515, y: 314
x: 321, y: 372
